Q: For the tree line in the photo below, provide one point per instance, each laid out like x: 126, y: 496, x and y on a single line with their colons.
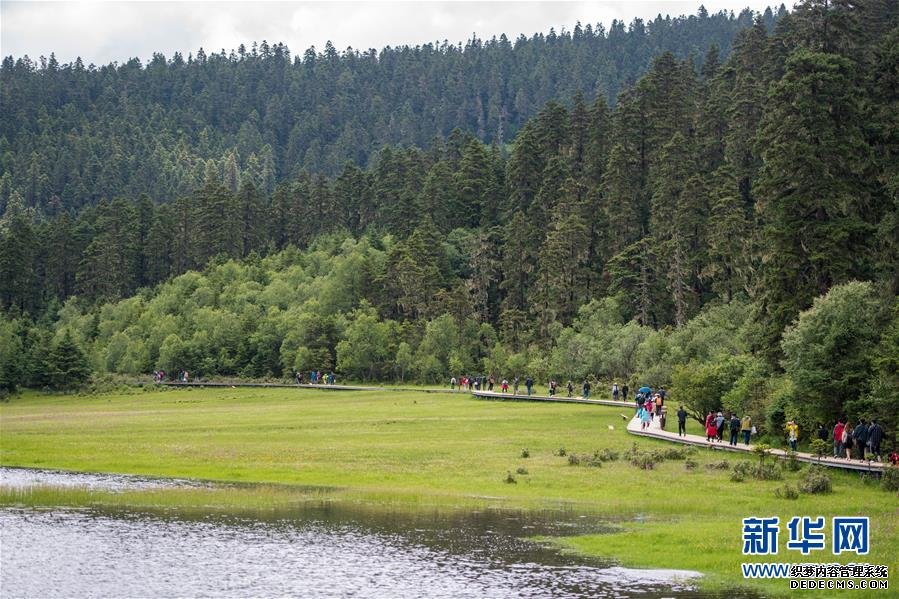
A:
x: 77, y: 133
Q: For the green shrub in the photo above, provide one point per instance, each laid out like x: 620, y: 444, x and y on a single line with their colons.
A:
x: 721, y: 465
x: 573, y: 460
x: 510, y: 478
x: 522, y: 470
x: 889, y: 480
x: 561, y: 453
x: 791, y: 463
x: 689, y: 464
x: 815, y: 481
x: 525, y: 453
x: 786, y: 492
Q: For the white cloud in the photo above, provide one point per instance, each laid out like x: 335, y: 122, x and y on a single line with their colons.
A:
x: 102, y: 32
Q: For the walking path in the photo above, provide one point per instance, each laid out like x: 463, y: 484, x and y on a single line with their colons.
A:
x: 655, y: 431
x: 301, y: 386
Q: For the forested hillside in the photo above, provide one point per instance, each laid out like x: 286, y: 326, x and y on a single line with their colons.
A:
x: 83, y: 133
x: 727, y: 229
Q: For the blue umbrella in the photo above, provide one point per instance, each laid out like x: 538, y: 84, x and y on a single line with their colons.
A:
x: 645, y: 390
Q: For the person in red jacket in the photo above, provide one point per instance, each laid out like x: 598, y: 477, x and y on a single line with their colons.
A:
x: 838, y: 438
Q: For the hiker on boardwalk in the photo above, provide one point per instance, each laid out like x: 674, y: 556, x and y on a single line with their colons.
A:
x: 846, y: 440
x: 719, y: 426
x: 515, y: 386
x: 570, y: 388
x: 586, y: 389
x: 452, y: 383
x: 529, y: 384
x: 734, y: 429
x: 659, y: 401
x: 504, y: 385
x: 875, y: 436
x: 682, y: 422
x: 711, y: 432
x: 663, y: 417
x: 624, y: 391
x: 644, y: 418
x: 860, y: 438
x: 746, y: 428
x: 640, y: 401
x: 822, y: 432
x: 792, y: 434
x: 490, y: 382
x: 838, y: 438
x: 615, y: 391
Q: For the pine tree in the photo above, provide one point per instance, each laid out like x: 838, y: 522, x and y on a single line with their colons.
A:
x: 812, y: 193
x: 67, y: 364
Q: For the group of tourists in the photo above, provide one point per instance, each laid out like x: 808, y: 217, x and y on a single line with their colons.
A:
x: 620, y: 392
x: 716, y: 424
x: 488, y: 383
x: 864, y: 437
x: 316, y: 377
x: 182, y: 377
x: 650, y: 405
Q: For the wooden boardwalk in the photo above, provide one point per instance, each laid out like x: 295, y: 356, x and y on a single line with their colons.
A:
x: 655, y: 432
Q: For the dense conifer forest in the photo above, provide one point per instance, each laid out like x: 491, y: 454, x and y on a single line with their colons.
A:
x: 604, y: 204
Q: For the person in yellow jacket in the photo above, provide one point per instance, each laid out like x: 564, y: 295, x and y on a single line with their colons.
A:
x: 746, y: 428
x: 792, y: 434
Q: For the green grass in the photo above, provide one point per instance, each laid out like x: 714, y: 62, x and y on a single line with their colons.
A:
x: 421, y: 450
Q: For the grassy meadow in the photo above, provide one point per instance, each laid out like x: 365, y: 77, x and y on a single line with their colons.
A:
x: 433, y: 450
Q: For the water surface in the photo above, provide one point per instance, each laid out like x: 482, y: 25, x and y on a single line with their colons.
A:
x: 315, y: 550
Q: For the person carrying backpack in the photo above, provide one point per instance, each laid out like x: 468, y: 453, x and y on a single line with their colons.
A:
x: 614, y: 391
x: 734, y: 429
x: 529, y: 384
x: 586, y: 388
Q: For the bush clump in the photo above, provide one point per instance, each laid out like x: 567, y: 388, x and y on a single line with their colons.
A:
x: 815, y: 481
x: 786, y: 492
x: 561, y: 453
x: 690, y: 464
x: 573, y: 459
x: 760, y: 471
x: 889, y: 480
x: 525, y: 453
x: 510, y: 478
x: 721, y: 465
x: 792, y: 464
x: 522, y: 470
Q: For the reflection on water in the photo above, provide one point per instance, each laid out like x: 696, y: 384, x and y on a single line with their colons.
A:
x: 317, y: 550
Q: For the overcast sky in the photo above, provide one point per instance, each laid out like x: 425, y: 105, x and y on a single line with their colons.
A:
x: 102, y: 32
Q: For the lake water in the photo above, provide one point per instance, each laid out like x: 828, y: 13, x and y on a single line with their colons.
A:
x: 316, y: 550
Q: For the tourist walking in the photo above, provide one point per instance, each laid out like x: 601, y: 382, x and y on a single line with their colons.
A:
x: 792, y: 434
x: 846, y: 439
x: 875, y: 437
x: 711, y: 431
x: 615, y: 391
x: 644, y: 418
x: 515, y: 386
x: 719, y: 426
x: 624, y: 391
x: 570, y: 388
x: 838, y: 438
x: 682, y: 422
x: 860, y: 438
x: 586, y: 389
x: 746, y: 428
x: 529, y: 384
x: 452, y: 383
x: 504, y: 385
x: 734, y: 429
